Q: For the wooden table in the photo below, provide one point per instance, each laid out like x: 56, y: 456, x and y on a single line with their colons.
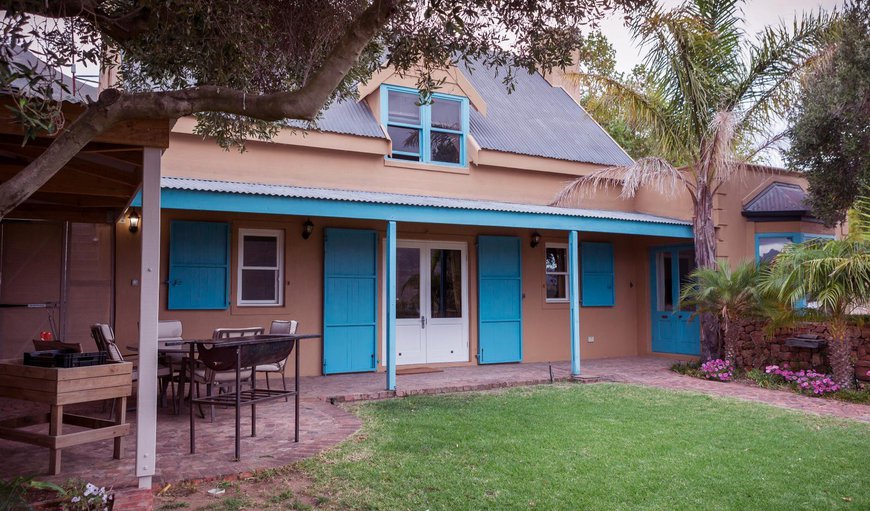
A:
x: 58, y: 387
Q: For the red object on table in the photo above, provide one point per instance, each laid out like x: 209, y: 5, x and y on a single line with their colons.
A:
x: 46, y: 336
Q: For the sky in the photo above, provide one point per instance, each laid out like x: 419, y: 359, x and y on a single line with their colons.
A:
x: 758, y: 14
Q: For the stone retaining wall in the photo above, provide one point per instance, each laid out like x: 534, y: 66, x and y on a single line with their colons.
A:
x: 758, y: 349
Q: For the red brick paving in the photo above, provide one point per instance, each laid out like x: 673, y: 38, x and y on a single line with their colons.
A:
x: 324, y: 425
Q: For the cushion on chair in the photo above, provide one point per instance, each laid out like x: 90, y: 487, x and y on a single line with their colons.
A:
x: 169, y: 330
x: 283, y: 327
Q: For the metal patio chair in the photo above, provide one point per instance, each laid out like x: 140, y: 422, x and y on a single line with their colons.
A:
x: 278, y: 327
x: 223, y: 380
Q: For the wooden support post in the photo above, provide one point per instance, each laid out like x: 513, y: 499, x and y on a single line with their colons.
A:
x: 120, y: 418
x: 390, y: 355
x: 149, y: 292
x: 55, y: 429
x: 574, y: 296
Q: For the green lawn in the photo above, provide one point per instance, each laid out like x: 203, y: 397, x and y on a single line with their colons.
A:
x: 589, y: 447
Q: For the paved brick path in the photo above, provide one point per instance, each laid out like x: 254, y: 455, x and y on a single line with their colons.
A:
x: 324, y: 425
x: 652, y: 371
x: 655, y: 372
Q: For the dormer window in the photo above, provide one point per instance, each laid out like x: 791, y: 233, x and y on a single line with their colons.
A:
x: 432, y: 133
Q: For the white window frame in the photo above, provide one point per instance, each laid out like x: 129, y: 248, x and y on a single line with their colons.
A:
x: 278, y: 234
x: 547, y: 299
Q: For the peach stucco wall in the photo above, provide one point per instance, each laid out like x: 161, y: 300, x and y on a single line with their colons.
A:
x: 617, y: 331
x: 357, y: 163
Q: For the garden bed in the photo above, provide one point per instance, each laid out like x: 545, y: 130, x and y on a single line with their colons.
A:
x: 774, y: 380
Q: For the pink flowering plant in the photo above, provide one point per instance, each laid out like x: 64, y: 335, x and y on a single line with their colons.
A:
x: 806, y: 381
x: 718, y: 369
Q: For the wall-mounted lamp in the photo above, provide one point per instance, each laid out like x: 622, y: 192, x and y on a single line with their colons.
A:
x: 134, y: 220
x: 307, y: 229
x: 536, y: 239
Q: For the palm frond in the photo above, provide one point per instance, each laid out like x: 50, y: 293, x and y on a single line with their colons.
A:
x: 716, y: 155
x: 651, y: 173
x: 642, y: 110
x: 776, y: 59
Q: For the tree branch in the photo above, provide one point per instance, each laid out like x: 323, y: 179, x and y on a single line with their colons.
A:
x: 114, y: 106
x: 119, y: 27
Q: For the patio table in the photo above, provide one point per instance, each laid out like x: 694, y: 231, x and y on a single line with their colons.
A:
x: 236, y: 354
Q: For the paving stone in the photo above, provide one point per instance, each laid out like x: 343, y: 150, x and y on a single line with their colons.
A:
x: 323, y: 425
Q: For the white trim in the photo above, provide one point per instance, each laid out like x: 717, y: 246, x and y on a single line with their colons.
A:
x: 430, y: 244
x: 563, y: 246
x: 278, y: 234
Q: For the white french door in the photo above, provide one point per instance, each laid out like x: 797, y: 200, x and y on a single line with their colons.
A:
x: 431, y: 302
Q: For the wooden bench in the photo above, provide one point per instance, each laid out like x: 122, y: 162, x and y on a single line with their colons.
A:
x: 58, y: 387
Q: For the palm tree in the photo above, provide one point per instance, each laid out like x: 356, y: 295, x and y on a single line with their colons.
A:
x: 834, y: 276
x: 729, y: 295
x: 712, y: 93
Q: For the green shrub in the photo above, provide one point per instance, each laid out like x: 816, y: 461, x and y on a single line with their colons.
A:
x: 860, y: 396
x: 765, y: 380
x: 691, y: 368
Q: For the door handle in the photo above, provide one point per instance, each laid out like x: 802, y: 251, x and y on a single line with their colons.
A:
x: 664, y: 316
x: 423, y: 322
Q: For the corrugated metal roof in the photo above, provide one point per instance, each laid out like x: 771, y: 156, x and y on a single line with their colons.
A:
x: 538, y: 119
x: 347, y: 117
x: 298, y: 192
x: 778, y: 198
x: 83, y: 90
x: 534, y: 119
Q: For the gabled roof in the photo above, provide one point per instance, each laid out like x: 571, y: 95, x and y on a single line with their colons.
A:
x: 778, y: 199
x: 535, y: 119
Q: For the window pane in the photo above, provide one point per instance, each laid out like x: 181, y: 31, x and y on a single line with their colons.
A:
x: 446, y: 283
x: 556, y: 259
x: 406, y: 140
x: 259, y: 285
x: 403, y: 108
x: 260, y: 251
x: 556, y: 287
x: 407, y: 283
x: 447, y: 114
x: 687, y: 266
x: 445, y: 147
x: 769, y: 248
x: 665, y: 283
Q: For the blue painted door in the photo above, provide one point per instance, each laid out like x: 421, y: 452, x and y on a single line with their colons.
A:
x: 675, y: 328
x: 350, y: 309
x: 500, y: 300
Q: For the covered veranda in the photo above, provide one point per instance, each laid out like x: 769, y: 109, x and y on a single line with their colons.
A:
x: 96, y: 187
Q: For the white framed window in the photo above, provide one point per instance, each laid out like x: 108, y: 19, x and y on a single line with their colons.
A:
x: 556, y: 272
x: 261, y: 267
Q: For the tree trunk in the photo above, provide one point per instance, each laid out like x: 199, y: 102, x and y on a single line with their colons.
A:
x: 705, y: 257
x: 730, y: 342
x: 840, y: 356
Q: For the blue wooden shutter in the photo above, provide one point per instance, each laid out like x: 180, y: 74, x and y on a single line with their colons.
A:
x: 596, y: 266
x: 350, y: 290
x: 199, y: 265
x: 500, y: 300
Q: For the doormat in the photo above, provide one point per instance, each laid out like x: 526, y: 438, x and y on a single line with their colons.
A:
x: 418, y: 370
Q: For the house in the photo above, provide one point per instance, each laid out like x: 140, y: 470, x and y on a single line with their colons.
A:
x: 435, y: 215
